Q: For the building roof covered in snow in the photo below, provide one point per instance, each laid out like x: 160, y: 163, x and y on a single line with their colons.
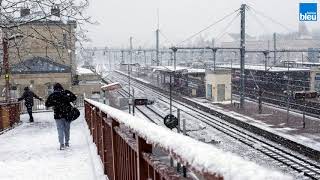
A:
x: 82, y: 71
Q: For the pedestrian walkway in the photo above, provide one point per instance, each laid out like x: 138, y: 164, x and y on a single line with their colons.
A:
x: 31, y: 152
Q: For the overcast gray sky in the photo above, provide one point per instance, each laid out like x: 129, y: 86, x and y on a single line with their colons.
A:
x: 120, y: 19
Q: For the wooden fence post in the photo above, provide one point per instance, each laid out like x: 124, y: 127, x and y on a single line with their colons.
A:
x: 114, y: 124
x: 142, y: 166
x: 107, y: 148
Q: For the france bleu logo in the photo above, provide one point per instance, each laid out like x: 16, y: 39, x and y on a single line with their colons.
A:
x: 308, y: 12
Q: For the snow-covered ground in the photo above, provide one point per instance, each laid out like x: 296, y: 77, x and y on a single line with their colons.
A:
x: 31, y: 152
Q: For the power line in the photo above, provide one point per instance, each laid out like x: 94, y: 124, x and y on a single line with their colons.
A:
x: 166, y: 38
x: 224, y: 31
x: 255, y: 17
x: 208, y: 27
x: 271, y: 19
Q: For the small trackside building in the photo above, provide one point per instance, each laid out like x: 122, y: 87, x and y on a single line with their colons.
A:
x: 218, y: 85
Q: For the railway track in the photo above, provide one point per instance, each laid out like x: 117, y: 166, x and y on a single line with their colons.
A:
x: 310, y: 108
x: 273, y: 150
x: 142, y: 110
x: 307, y: 151
x: 269, y: 104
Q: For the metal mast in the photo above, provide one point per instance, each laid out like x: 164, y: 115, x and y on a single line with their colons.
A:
x: 242, y: 53
x: 157, y: 41
x: 129, y: 72
x: 274, y: 48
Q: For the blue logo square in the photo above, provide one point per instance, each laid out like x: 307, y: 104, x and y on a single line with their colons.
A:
x: 308, y: 12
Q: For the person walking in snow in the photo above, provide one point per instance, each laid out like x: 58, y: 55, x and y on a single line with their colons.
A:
x: 60, y: 100
x: 28, y: 96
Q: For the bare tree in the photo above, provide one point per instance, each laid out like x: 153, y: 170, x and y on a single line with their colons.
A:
x: 52, y: 25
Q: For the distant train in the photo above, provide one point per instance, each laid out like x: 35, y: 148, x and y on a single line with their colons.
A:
x: 303, y: 94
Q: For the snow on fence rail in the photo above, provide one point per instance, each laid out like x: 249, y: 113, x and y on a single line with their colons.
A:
x: 125, y: 143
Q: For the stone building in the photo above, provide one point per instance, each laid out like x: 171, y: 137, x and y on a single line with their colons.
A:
x: 88, y: 83
x: 44, y: 55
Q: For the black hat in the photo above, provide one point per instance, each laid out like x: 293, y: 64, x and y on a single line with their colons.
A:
x: 26, y: 88
x: 57, y: 87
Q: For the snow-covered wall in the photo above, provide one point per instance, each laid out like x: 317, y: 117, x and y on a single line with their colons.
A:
x: 201, y: 156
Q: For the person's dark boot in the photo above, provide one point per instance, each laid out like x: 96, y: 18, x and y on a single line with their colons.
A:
x: 62, y: 147
x: 30, y: 114
x: 31, y: 120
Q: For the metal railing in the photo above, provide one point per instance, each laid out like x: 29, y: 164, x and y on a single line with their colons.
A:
x: 9, y: 115
x: 40, y: 105
x: 127, y: 156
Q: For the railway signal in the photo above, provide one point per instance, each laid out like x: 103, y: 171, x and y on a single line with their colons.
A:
x: 171, y: 121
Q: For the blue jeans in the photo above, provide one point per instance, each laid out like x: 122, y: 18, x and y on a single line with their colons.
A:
x: 63, y: 127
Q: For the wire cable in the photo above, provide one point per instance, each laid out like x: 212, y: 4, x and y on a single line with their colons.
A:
x: 166, y: 38
x: 270, y: 19
x: 224, y: 31
x: 208, y: 27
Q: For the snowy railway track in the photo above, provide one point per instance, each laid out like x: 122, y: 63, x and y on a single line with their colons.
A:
x: 307, y: 167
x: 141, y: 109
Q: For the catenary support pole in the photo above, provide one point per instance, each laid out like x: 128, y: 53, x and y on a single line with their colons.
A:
x: 174, y: 49
x: 274, y: 48
x: 304, y: 108
x: 133, y: 103
x: 288, y: 94
x: 129, y: 73
x: 214, y: 50
x: 242, y: 53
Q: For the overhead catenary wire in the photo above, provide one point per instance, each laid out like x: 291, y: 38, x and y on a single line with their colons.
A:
x: 208, y: 27
x: 166, y: 38
x: 270, y: 19
x: 224, y: 31
x: 256, y: 18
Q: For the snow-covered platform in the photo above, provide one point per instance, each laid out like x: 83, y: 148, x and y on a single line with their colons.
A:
x: 274, y: 119
x: 31, y: 151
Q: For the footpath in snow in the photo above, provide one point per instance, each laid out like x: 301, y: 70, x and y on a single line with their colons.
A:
x: 31, y: 152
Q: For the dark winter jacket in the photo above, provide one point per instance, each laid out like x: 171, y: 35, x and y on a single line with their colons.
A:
x: 60, y: 101
x: 28, y: 96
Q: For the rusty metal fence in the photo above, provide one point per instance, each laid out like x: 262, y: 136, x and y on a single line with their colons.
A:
x: 9, y: 115
x: 127, y: 156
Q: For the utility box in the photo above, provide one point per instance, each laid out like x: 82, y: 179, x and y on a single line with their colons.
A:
x: 218, y: 85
